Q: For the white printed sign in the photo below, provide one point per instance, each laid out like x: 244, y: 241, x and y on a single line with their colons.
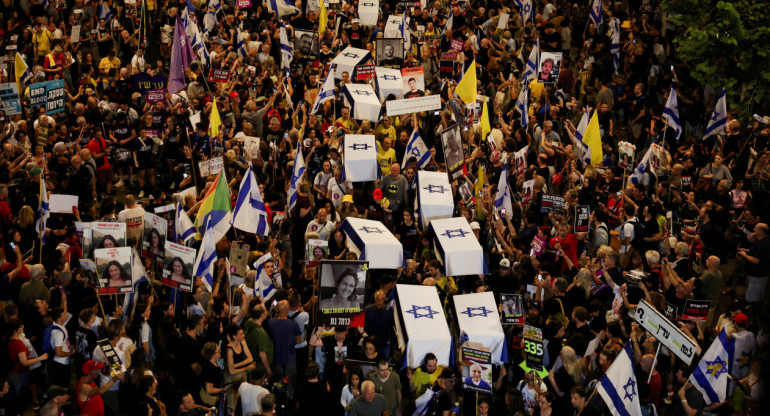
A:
x: 665, y: 331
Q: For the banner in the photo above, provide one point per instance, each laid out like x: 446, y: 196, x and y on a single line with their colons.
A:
x: 665, y: 331
x: 477, y: 370
x: 144, y: 82
x: 113, y: 267
x: 154, y: 237
x: 50, y: 94
x: 244, y: 4
x: 178, y: 266
x: 239, y: 259
x: 211, y: 166
x: 452, y: 143
x: 364, y: 72
x: 414, y: 82
x: 155, y: 96
x: 513, y: 309
x: 582, y: 221
x: 341, y: 292
x: 696, y: 310
x: 552, y: 203
x: 533, y: 347
x: 219, y: 75
x: 9, y: 96
x: 413, y: 105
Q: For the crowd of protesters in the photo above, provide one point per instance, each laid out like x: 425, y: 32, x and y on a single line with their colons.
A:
x: 695, y: 225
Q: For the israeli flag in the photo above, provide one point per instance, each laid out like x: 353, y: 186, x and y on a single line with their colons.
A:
x: 296, y: 175
x: 636, y: 177
x: 43, y: 210
x: 526, y: 9
x: 710, y: 377
x: 618, y: 386
x: 242, y: 52
x: 264, y: 287
x: 450, y: 20
x: 44, y: 3
x: 416, y: 147
x: 523, y: 107
x: 421, y: 403
x: 191, y: 6
x: 282, y: 7
x: 287, y: 50
x: 207, y: 256
x: 532, y: 63
x: 615, y: 44
x: 104, y: 12
x: 503, y: 196
x: 584, y: 150
x: 138, y: 275
x: 326, y: 93
x: 718, y: 120
x: 596, y: 13
x: 250, y: 214
x: 210, y: 19
x: 404, y: 27
x: 183, y: 225
x: 196, y: 40
x: 671, y: 111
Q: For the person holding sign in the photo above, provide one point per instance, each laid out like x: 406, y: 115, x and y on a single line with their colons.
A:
x: 344, y: 295
x: 116, y: 276
x: 178, y: 271
x: 475, y: 377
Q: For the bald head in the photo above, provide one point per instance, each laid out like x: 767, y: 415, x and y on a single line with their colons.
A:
x: 646, y: 362
x: 712, y: 263
x: 761, y: 228
x: 367, y: 390
x: 429, y: 281
x: 283, y: 308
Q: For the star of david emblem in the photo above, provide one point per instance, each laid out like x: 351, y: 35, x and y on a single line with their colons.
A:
x: 744, y: 359
x: 416, y: 152
x: 358, y: 92
x: 368, y: 4
x: 389, y: 77
x: 435, y: 189
x: 630, y: 389
x: 716, y: 115
x: 716, y: 368
x: 479, y: 311
x: 455, y: 233
x: 427, y: 314
x: 359, y: 146
x: 526, y: 8
x: 350, y: 55
x: 294, y: 180
x: 370, y: 230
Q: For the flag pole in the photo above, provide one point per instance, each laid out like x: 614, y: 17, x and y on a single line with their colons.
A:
x: 587, y: 401
x: 654, y: 360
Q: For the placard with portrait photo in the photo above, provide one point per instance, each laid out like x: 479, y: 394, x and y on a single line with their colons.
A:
x: 390, y: 52
x: 113, y: 268
x: 452, y: 143
x: 513, y: 309
x: 414, y: 82
x: 626, y: 153
x: 316, y: 251
x: 154, y: 237
x: 477, y: 369
x: 105, y: 235
x: 178, y: 266
x: 306, y: 42
x: 341, y: 292
x: 550, y: 65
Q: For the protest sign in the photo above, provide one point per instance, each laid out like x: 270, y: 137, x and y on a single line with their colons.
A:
x: 503, y: 22
x: 414, y: 82
x: 316, y: 251
x: 211, y: 166
x: 155, y: 96
x: 178, y: 266
x: 477, y: 370
x: 239, y: 259
x: 552, y: 203
x: 219, y: 75
x: 75, y: 35
x: 452, y: 143
x: 582, y: 215
x: 533, y: 347
x: 413, y: 105
x: 113, y: 267
x: 696, y: 310
x: 154, y: 236
x: 9, y: 96
x: 341, y: 292
x: 144, y: 82
x: 671, y: 311
x: 49, y: 94
x: 168, y: 213
x: 513, y: 309
x: 88, y: 270
x: 665, y: 331
x: 103, y: 235
x: 244, y: 4
x: 116, y: 366
x: 537, y: 246
x: 446, y: 68
x: 626, y: 155
x: 63, y: 204
x: 364, y: 72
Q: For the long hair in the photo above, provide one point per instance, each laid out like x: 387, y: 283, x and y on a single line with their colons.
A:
x: 571, y: 364
x: 170, y: 267
x: 123, y: 274
x: 349, y: 272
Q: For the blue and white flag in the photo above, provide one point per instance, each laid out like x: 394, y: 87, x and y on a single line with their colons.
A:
x: 404, y: 27
x: 718, y: 120
x: 671, y: 111
x: 526, y: 9
x: 105, y: 13
x: 196, y: 40
x: 282, y: 7
x: 265, y: 286
x: 416, y: 147
x: 636, y: 177
x: 422, y: 402
x: 183, y: 226
x: 326, y: 93
x: 522, y: 106
x: 532, y: 63
x: 243, y: 53
x: 191, y: 6
x: 710, y: 377
x: 210, y: 19
x: 138, y: 275
x: 207, y: 256
x: 296, y: 175
x: 615, y: 44
x: 450, y: 20
x: 250, y: 214
x: 287, y: 50
x: 44, y: 3
x: 618, y: 386
x: 596, y: 13
x: 43, y: 210
x: 585, y: 151
x: 503, y: 196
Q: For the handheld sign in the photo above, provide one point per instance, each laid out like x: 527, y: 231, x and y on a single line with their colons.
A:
x: 665, y: 331
x: 477, y: 370
x: 533, y: 347
x: 582, y: 214
x: 696, y: 310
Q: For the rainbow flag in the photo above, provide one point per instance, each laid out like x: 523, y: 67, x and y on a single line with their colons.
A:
x: 215, y: 212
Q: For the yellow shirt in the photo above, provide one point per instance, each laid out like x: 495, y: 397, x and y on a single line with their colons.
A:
x: 43, y: 42
x: 389, y: 132
x: 537, y: 89
x: 385, y: 159
x: 105, y: 65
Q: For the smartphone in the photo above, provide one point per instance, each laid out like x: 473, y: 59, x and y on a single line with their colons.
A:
x: 435, y: 113
x: 184, y: 176
x: 539, y: 276
x: 502, y: 211
x: 531, y: 252
x: 466, y: 128
x: 13, y: 246
x: 275, y: 302
x: 672, y: 68
x: 617, y: 193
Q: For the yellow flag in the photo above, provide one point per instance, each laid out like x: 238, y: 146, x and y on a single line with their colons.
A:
x: 485, y: 127
x: 478, y: 187
x: 323, y: 19
x: 214, y: 121
x: 23, y: 73
x: 593, y: 139
x: 466, y: 89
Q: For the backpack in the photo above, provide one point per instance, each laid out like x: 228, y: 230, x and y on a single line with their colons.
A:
x: 47, y: 345
x: 638, y: 230
x: 614, y: 238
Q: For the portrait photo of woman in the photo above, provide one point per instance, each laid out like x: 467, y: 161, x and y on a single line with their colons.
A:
x: 178, y: 271
x: 115, y: 275
x: 345, y: 287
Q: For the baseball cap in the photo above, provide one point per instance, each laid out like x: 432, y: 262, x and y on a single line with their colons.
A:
x: 475, y: 226
x: 505, y: 263
x: 741, y: 319
x: 91, y: 365
x: 234, y: 94
x: 355, y: 21
x: 377, y: 194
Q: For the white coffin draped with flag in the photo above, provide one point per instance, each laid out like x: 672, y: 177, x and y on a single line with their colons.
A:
x: 420, y: 325
x: 456, y: 246
x: 371, y: 241
x: 363, y: 102
x: 347, y: 60
x: 434, y: 197
x: 360, y: 158
x: 389, y: 81
x: 478, y: 319
x: 393, y: 26
x: 369, y: 12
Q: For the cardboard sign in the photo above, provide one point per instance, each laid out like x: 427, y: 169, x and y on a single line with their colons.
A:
x: 664, y: 331
x: 477, y: 370
x: 671, y: 311
x: 513, y: 309
x: 582, y: 214
x: 341, y: 292
x: 75, y: 36
x: 9, y: 96
x: 155, y: 96
x: 154, y: 236
x: 211, y: 166
x: 114, y: 269
x: 533, y: 347
x: 219, y: 75
x: 239, y: 259
x: 116, y: 366
x: 63, y: 204
x: 178, y: 266
x: 413, y: 105
x: 50, y: 94
x: 537, y: 246
x: 446, y: 68
x: 364, y: 72
x: 696, y: 310
x: 244, y: 4
x: 503, y: 22
x: 552, y: 203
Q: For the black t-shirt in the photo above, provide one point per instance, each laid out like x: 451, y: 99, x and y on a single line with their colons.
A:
x: 357, y: 37
x: 409, y: 235
x: 213, y: 374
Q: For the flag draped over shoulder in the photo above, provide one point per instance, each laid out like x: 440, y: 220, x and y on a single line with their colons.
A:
x: 718, y: 120
x: 250, y: 214
x: 265, y: 286
x: 416, y: 147
x: 618, y: 386
x: 466, y: 89
x: 181, y: 56
x: 710, y: 376
x: 214, y: 212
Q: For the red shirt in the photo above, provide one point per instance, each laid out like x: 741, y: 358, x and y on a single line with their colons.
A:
x: 15, y: 347
x: 96, y: 146
x: 94, y: 406
x: 569, y: 246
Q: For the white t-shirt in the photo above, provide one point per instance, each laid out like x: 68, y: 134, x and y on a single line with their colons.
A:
x: 60, y: 339
x: 301, y: 319
x: 99, y: 357
x: 625, y: 231
x: 338, y: 191
x: 251, y: 397
x: 134, y: 219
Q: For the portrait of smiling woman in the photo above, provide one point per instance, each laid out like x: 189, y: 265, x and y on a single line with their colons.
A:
x: 346, y: 285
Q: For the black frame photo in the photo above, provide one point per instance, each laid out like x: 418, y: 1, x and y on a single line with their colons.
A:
x: 341, y: 291
x: 390, y: 53
x: 454, y: 156
x: 307, y: 50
